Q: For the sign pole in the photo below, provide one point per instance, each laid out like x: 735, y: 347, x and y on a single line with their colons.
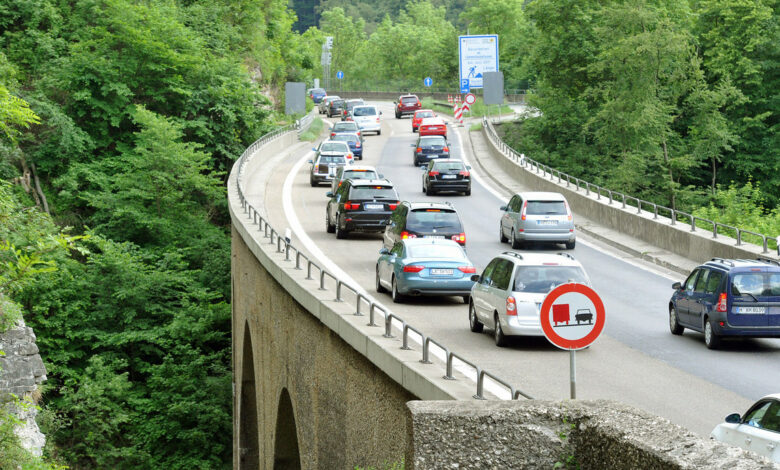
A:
x: 573, y: 373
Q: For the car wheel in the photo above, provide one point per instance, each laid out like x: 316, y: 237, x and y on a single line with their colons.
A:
x: 466, y: 299
x: 340, y: 233
x: 378, y: 132
x: 570, y: 245
x: 312, y: 182
x: 431, y: 192
x: 674, y: 325
x: 498, y: 334
x: 397, y: 297
x: 475, y: 324
x: 397, y: 116
x: 379, y: 287
x: 711, y: 339
x: 467, y: 192
x: 501, y: 236
x: 330, y: 228
x: 516, y: 244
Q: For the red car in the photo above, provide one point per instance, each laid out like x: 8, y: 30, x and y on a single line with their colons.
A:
x: 419, y: 115
x: 407, y: 104
x: 433, y: 126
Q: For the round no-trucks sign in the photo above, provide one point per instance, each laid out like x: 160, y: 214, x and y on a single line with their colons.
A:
x: 572, y: 316
x: 470, y: 98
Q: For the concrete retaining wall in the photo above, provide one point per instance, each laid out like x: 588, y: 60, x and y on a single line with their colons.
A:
x: 537, y: 434
x: 678, y: 238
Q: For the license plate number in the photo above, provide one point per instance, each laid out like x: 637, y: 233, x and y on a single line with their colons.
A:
x: 751, y: 309
x: 547, y: 222
x: 433, y: 236
x: 441, y: 272
x: 448, y: 177
x: 374, y: 207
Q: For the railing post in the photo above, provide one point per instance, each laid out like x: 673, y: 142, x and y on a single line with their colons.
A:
x: 322, y: 279
x: 448, y: 373
x: 739, y: 237
x: 673, y: 215
x: 693, y: 223
x: 338, y: 290
x: 655, y: 211
x: 388, y: 326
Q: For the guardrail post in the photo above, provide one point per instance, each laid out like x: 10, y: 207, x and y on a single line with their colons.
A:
x: 371, y: 314
x: 308, y: 269
x: 766, y: 250
x: 448, y: 373
x: 406, y: 338
x: 286, y: 251
x: 297, y: 259
x: 693, y: 223
x: 357, y: 305
x: 388, y: 326
x: 655, y: 211
x: 739, y: 237
x: 673, y: 215
x: 638, y: 206
x: 322, y: 279
x: 624, y: 200
x: 480, y: 384
x: 714, y: 230
x: 338, y: 290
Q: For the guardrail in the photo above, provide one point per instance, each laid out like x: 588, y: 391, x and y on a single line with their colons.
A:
x: 674, y: 215
x: 283, y: 245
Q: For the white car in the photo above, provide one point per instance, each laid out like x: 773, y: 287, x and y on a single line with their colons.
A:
x: 757, y: 431
x: 367, y: 118
x: 508, y: 295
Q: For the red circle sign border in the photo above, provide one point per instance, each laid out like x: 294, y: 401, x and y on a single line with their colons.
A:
x: 560, y: 341
x: 473, y: 98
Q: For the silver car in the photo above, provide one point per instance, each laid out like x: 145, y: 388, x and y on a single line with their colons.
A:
x: 367, y: 118
x: 509, y: 293
x: 323, y: 106
x: 537, y: 217
x: 329, y: 156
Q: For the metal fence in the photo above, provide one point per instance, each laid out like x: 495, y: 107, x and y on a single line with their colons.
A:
x: 674, y: 215
x: 318, y: 275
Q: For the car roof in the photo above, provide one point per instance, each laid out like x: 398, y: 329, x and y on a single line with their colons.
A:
x: 429, y: 241
x: 333, y: 142
x: 376, y: 182
x: 365, y: 106
x: 408, y: 96
x: 775, y: 396
x: 429, y: 205
x: 448, y: 160
x: 345, y: 123
x: 432, y: 120
x: 424, y: 110
x: 743, y: 264
x: 355, y: 100
x: 537, y: 259
x: 542, y: 196
x: 351, y: 134
x: 360, y: 168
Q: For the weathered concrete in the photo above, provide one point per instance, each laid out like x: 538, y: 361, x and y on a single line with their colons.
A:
x: 540, y: 434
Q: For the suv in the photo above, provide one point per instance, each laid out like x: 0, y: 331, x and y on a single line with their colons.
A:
x: 349, y: 105
x: 446, y: 175
x: 406, y: 104
x: 429, y: 147
x: 509, y: 293
x: 354, y: 172
x: 360, y: 206
x: 424, y: 220
x: 367, y: 118
x: 335, y: 107
x: 537, y: 217
x: 728, y: 298
x: 329, y: 156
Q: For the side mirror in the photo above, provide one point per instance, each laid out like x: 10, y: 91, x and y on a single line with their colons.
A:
x: 380, y: 112
x: 381, y: 176
x: 384, y: 251
x: 413, y: 145
x: 329, y: 194
x: 424, y: 167
x: 475, y: 277
x: 677, y: 286
x: 314, y: 149
x: 733, y: 418
x: 311, y: 162
x: 503, y: 208
x: 468, y: 167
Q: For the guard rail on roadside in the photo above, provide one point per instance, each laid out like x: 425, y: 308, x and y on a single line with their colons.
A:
x: 674, y: 215
x: 294, y: 255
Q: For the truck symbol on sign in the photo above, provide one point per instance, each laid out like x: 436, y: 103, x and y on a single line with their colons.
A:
x: 584, y: 315
x: 561, y: 314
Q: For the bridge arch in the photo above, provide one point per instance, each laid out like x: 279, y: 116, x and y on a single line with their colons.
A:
x: 249, y: 439
x: 286, y: 453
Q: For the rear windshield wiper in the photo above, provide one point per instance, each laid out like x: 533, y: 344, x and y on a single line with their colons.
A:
x: 742, y: 294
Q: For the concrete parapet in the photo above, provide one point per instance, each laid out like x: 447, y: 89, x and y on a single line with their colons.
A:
x: 572, y: 434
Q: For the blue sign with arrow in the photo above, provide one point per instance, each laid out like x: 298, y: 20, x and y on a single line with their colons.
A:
x: 339, y: 74
x: 428, y: 81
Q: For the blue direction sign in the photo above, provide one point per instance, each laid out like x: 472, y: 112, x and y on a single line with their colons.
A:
x: 428, y: 81
x: 464, y: 85
x: 339, y: 74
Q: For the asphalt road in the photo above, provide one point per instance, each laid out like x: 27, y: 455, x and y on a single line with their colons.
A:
x: 636, y: 361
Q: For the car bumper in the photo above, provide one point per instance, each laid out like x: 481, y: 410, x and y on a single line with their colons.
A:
x: 370, y: 127
x: 563, y: 237
x: 450, y: 185
x: 521, y: 326
x: 366, y: 222
x: 404, y: 112
x: 432, y: 286
x: 321, y: 178
x: 425, y: 158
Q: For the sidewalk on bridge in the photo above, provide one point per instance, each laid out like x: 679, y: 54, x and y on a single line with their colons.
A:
x: 487, y: 165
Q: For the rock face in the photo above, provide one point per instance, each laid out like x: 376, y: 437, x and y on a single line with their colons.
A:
x: 21, y: 370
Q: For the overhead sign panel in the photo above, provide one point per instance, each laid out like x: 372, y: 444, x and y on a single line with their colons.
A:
x: 478, y: 54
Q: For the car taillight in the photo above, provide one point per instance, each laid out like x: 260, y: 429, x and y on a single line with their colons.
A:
x: 511, y: 306
x: 413, y: 268
x: 393, y: 205
x: 419, y: 150
x: 522, y: 214
x: 465, y: 174
x: 418, y: 103
x: 351, y: 206
x: 357, y: 144
x: 445, y: 149
x: 405, y: 235
x: 332, y: 134
x: 377, y: 119
x: 433, y: 173
x: 568, y: 211
x: 467, y: 269
x: 460, y: 238
x: 723, y: 302
x: 340, y: 183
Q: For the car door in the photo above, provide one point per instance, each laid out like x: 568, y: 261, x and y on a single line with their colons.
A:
x: 506, y: 217
x: 499, y: 288
x: 684, y: 297
x: 387, y: 267
x: 695, y: 304
x: 706, y: 299
x: 480, y: 292
x: 759, y: 430
x: 341, y: 196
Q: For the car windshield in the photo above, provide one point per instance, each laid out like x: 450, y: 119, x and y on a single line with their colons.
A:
x: 757, y: 284
x: 427, y: 220
x: 334, y: 147
x: 423, y: 114
x: 346, y: 138
x: 433, y: 141
x: 373, y: 192
x: 436, y: 251
x: 360, y: 175
x: 369, y: 111
x: 447, y: 166
x: 337, y: 103
x: 345, y: 126
x: 318, y: 91
x: 409, y: 99
x: 333, y: 159
x: 546, y: 208
x: 542, y: 279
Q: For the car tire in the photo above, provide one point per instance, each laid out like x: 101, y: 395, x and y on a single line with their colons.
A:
x: 516, y: 244
x: 431, y: 192
x: 570, y: 245
x: 474, y: 324
x: 341, y: 234
x: 378, y: 132
x: 397, y: 296
x: 330, y: 228
x: 501, y: 236
x: 313, y: 183
x: 466, y: 299
x: 379, y: 287
x: 498, y: 334
x: 711, y: 339
x: 674, y: 324
x: 397, y: 116
x: 467, y: 192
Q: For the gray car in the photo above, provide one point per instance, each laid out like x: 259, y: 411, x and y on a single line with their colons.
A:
x: 325, y: 103
x: 537, y: 217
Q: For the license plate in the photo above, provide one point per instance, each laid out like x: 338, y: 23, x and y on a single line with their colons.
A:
x: 547, y: 222
x: 373, y: 207
x: 433, y: 236
x: 441, y: 272
x: 751, y: 309
x: 448, y: 177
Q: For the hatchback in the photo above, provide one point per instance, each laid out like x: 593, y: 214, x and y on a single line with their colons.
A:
x: 424, y: 220
x: 406, y: 104
x: 509, y: 293
x: 424, y: 266
x: 349, y: 105
x: 354, y: 172
x: 360, y: 206
x: 323, y: 106
x: 757, y: 431
x: 728, y: 298
x: 346, y: 126
x: 367, y: 118
x: 353, y: 140
x: 537, y: 217
x: 433, y: 126
x: 429, y: 147
x: 317, y: 94
x: 446, y: 175
x: 419, y: 115
x: 335, y: 108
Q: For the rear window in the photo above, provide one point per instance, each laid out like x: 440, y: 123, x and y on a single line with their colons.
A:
x: 373, y: 192
x: 542, y: 279
x: 346, y: 138
x: 337, y: 103
x: 433, y: 140
x: 546, y: 208
x: 436, y: 251
x: 409, y: 99
x: 444, y: 166
x: 360, y: 175
x: 365, y: 111
x: 757, y: 284
x: 318, y: 91
x: 345, y: 126
x: 333, y: 159
x: 427, y: 220
x: 423, y: 114
x: 334, y: 147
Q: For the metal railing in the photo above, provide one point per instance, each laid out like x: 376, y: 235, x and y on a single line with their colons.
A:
x: 283, y: 245
x: 674, y: 215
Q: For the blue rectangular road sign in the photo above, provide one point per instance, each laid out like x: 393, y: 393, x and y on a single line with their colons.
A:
x: 464, y: 85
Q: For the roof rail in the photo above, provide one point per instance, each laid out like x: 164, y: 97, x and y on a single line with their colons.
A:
x: 568, y: 255
x: 512, y: 253
x: 768, y: 260
x: 724, y: 261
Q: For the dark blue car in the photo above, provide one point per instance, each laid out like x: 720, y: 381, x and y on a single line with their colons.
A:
x: 355, y: 145
x: 728, y: 298
x: 317, y: 94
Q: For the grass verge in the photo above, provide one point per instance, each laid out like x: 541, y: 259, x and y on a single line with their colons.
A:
x: 313, y: 131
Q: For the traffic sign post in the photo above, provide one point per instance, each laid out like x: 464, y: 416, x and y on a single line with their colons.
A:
x: 572, y: 317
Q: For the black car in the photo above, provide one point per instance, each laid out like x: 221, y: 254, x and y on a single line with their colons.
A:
x: 430, y: 147
x: 346, y: 113
x: 446, y: 175
x: 335, y: 108
x: 424, y: 220
x: 360, y: 206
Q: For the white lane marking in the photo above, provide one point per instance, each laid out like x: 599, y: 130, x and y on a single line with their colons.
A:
x: 303, y: 237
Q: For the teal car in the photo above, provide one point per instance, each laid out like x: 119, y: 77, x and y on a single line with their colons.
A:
x: 424, y: 266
